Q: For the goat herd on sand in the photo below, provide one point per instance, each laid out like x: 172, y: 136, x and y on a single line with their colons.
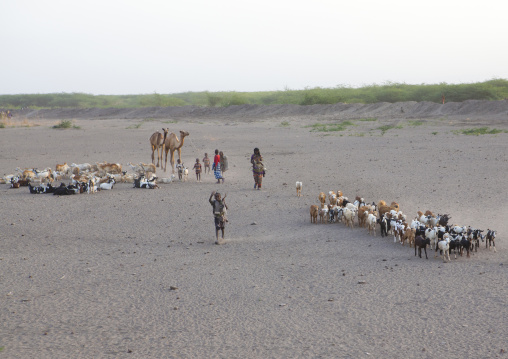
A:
x: 90, y: 178
x: 426, y: 229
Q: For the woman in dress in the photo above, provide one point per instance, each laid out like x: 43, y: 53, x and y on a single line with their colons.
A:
x: 257, y: 168
x: 216, y: 167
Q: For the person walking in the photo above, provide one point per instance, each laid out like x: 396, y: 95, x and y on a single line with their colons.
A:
x: 206, y: 162
x: 258, y: 169
x: 223, y: 164
x: 216, y: 167
x: 219, y: 213
x: 197, y: 168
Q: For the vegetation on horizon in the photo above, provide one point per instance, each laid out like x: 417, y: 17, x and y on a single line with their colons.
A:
x: 495, y: 89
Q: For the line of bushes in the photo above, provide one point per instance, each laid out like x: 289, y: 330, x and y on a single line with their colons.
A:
x: 495, y: 89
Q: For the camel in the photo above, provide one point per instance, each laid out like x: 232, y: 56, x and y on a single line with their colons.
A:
x: 172, y: 144
x: 157, y: 141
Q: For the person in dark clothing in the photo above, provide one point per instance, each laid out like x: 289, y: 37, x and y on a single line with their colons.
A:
x: 219, y: 212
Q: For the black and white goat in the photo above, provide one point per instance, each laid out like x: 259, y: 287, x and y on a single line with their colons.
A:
x: 490, y: 238
x: 143, y: 182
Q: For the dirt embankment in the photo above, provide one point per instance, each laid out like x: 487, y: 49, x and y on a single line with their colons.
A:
x: 472, y: 109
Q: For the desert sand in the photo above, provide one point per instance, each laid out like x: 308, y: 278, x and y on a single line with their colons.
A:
x: 135, y: 273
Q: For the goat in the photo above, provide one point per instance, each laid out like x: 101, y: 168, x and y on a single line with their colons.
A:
x: 371, y: 223
x: 421, y: 243
x: 322, y: 198
x: 314, y: 213
x: 349, y: 215
x: 383, y: 209
x: 398, y: 232
x: 363, y: 213
x: 332, y: 197
x: 338, y: 213
x: 83, y: 167
x: 66, y: 190
x: 384, y: 225
x: 114, y: 168
x: 459, y: 230
x: 443, y: 220
x: 17, y: 182
x: 108, y: 185
x: 36, y: 189
x: 299, y: 186
x: 323, y: 214
x: 147, y: 167
x: 490, y: 238
x: 185, y: 174
x: 168, y: 179
x: 144, y: 182
x: 444, y: 246
x: 409, y: 236
x: 63, y: 169
x: 464, y: 244
x: 431, y: 234
x: 474, y: 235
x: 453, y: 246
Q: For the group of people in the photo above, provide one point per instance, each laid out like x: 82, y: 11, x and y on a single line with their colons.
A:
x: 216, y: 200
x: 220, y: 165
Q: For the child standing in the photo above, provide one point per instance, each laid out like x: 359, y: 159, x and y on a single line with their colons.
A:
x: 197, y: 167
x: 206, y: 162
x: 179, y: 168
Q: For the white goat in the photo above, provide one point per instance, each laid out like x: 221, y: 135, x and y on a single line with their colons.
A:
x: 371, y: 223
x: 108, y: 185
x: 299, y: 186
x: 444, y: 245
x: 349, y: 216
x: 431, y: 234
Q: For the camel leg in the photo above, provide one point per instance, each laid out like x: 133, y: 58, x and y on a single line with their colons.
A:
x: 153, y: 153
x: 166, y: 161
x: 173, y: 161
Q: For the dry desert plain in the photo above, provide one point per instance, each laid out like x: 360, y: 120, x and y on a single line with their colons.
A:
x: 135, y: 273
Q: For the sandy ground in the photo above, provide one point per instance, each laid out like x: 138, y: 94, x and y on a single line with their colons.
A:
x: 91, y: 276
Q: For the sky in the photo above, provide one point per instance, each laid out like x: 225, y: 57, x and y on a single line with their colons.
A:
x: 117, y: 47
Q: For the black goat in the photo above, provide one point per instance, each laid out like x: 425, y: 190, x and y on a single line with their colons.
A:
x: 384, y: 225
x: 421, y: 242
x: 36, y: 189
x: 443, y: 220
x: 464, y: 244
x: 454, y: 245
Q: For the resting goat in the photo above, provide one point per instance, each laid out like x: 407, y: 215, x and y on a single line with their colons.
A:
x: 143, y: 182
x: 108, y: 185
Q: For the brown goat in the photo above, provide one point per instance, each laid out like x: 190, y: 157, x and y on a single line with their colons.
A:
x: 314, y: 213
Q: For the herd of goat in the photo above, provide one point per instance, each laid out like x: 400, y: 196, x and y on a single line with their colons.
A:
x: 425, y: 230
x: 84, y: 178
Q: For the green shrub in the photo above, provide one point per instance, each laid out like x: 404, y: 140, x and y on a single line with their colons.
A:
x: 64, y: 124
x: 480, y: 131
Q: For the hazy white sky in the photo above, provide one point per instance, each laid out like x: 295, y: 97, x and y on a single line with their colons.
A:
x: 170, y: 46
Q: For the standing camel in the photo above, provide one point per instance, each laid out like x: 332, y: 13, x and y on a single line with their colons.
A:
x: 172, y: 143
x: 157, y: 141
